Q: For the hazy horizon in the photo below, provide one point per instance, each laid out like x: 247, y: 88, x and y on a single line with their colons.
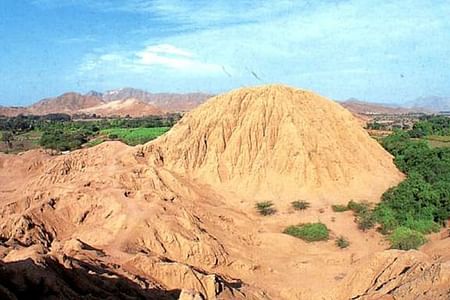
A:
x: 390, y: 52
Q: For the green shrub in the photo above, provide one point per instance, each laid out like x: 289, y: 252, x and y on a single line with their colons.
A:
x: 339, y: 208
x: 265, y: 208
x: 63, y: 140
x: 386, y: 216
x: 404, y: 238
x: 358, y: 207
x: 422, y: 226
x: 365, y: 220
x: 310, y: 232
x: 342, y: 242
x: 300, y: 205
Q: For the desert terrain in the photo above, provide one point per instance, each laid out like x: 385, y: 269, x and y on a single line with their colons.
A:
x: 175, y: 218
x: 125, y: 102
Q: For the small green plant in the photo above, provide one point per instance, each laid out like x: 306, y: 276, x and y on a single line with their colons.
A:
x: 358, y: 207
x: 265, y: 208
x: 310, y: 232
x: 342, y: 242
x: 300, y: 205
x: 365, y: 220
x: 339, y: 208
x: 404, y: 238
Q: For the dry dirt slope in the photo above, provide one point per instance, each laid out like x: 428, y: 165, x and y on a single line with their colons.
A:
x: 162, y: 218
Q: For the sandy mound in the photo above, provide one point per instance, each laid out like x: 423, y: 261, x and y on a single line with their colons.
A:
x: 279, y: 142
x: 158, y: 221
x: 128, y: 107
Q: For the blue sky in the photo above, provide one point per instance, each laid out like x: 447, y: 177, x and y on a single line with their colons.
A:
x: 382, y: 51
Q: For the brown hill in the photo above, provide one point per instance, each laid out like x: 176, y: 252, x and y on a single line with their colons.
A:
x: 68, y: 103
x: 172, y: 102
x: 168, y: 102
x: 11, y: 111
x: 128, y: 107
x: 276, y: 142
x: 114, y: 218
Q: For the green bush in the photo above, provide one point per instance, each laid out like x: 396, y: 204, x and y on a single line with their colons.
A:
x: 339, y: 208
x: 265, y: 208
x: 386, y: 217
x: 358, y: 207
x: 310, y: 232
x: 365, y: 220
x: 63, y: 140
x: 342, y: 242
x: 300, y: 205
x: 404, y: 238
x: 422, y: 226
x: 365, y: 217
x: 413, y: 199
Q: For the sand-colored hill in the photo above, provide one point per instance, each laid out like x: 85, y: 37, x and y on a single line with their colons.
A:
x: 168, y: 102
x: 276, y: 142
x: 160, y: 221
x: 128, y: 107
x: 66, y: 103
x: 10, y: 111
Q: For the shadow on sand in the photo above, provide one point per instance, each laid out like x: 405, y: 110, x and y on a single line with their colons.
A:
x: 27, y: 280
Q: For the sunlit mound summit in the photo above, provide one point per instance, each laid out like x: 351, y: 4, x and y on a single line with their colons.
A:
x: 275, y: 141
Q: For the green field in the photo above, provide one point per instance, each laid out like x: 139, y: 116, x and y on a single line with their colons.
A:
x: 435, y: 141
x: 134, y: 136
x: 438, y: 141
x: 21, y: 142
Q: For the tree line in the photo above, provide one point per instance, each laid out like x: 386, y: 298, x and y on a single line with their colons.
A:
x: 62, y: 132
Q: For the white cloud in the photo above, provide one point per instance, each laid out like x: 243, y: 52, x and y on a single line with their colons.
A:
x: 167, y: 49
x: 165, y: 57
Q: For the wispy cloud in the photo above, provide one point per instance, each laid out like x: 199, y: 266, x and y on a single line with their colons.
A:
x: 151, y: 58
x: 76, y: 40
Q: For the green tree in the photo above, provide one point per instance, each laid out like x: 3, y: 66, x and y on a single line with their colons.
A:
x: 7, y: 138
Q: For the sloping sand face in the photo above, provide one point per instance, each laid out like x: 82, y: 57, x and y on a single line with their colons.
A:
x: 177, y: 213
x: 281, y: 143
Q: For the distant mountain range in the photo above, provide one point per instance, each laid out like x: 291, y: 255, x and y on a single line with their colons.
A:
x: 433, y: 103
x: 121, y: 102
x: 170, y: 102
x: 367, y: 108
x: 134, y: 102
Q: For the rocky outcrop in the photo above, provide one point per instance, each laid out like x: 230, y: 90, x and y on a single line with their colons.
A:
x: 397, y: 274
